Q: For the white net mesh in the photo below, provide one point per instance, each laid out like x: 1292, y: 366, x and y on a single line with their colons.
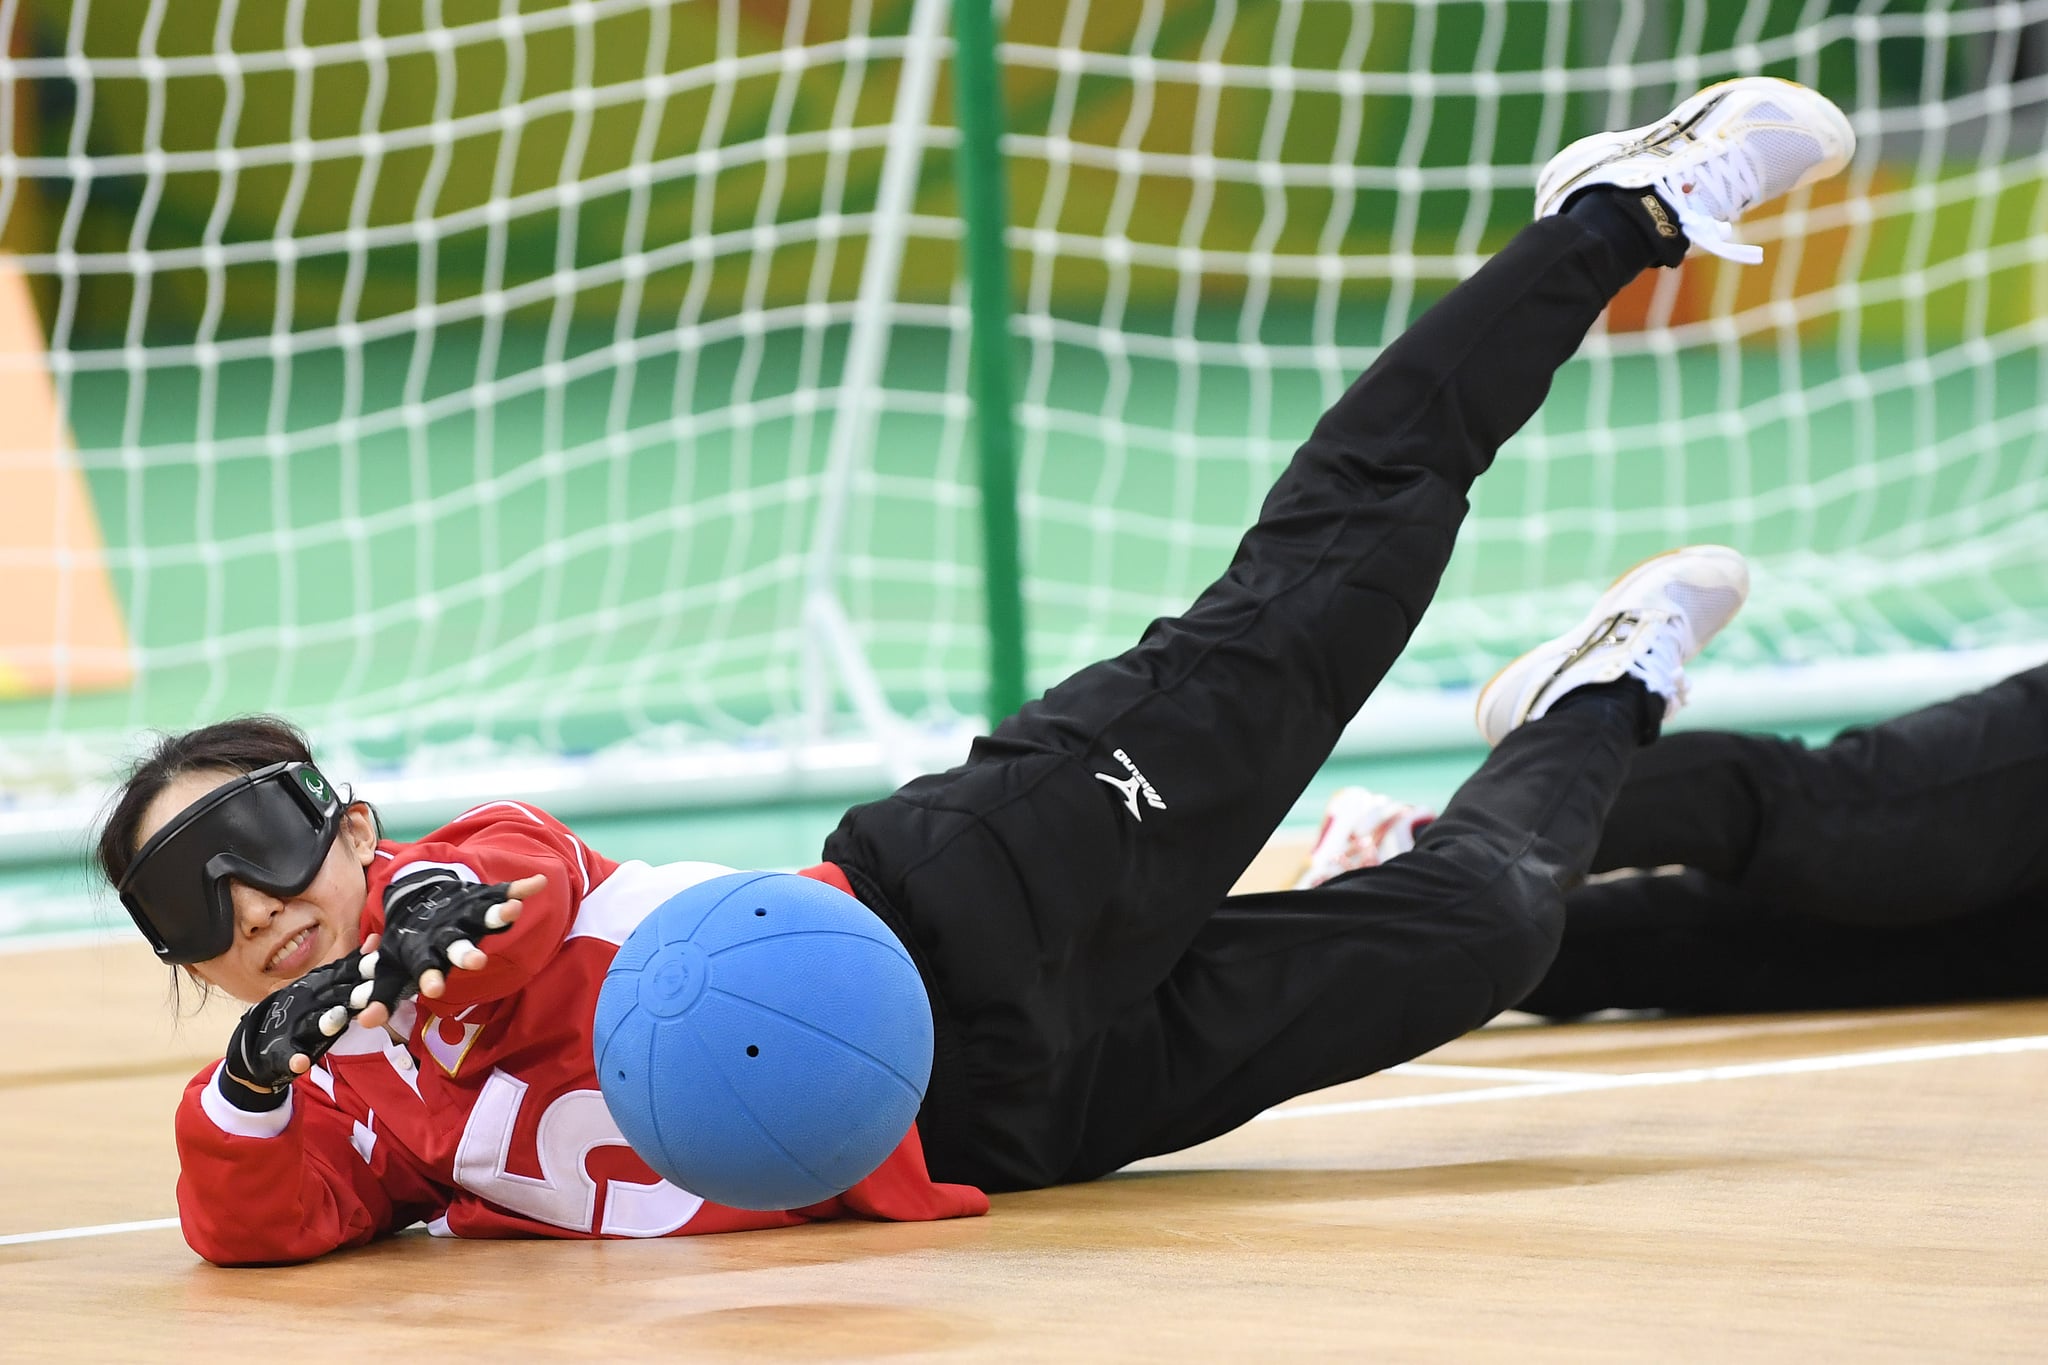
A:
x: 1859, y: 413
x: 511, y: 383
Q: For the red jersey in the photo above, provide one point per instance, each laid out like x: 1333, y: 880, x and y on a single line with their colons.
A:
x: 487, y: 1121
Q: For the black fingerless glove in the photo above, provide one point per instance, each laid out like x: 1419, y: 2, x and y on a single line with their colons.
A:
x: 292, y: 1019
x: 424, y: 917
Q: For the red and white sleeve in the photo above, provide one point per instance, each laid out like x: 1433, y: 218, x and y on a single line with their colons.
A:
x: 503, y: 842
x: 292, y: 1183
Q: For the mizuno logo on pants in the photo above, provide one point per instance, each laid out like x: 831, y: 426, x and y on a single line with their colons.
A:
x: 1131, y: 786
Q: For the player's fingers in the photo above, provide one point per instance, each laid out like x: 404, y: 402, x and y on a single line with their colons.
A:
x: 300, y: 1064
x: 368, y: 949
x: 465, y: 955
x: 385, y: 988
x: 376, y: 1014
x: 335, y: 1020
x: 501, y: 915
x: 432, y: 983
x: 373, y: 986
x: 526, y: 886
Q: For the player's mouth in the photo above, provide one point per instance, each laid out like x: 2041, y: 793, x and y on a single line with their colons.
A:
x: 293, y: 956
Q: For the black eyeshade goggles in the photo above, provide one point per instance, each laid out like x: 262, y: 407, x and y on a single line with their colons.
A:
x: 270, y: 829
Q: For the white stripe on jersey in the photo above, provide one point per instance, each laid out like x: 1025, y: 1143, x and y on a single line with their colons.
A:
x: 633, y: 893
x: 357, y: 1040
x: 241, y: 1122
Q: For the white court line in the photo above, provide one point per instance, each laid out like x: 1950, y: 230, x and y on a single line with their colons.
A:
x: 15, y: 1239
x: 1576, y: 1083
x: 1631, y: 1080
x: 1452, y: 1071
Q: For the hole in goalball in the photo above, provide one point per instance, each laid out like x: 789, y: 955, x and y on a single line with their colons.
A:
x: 753, y: 1051
x: 760, y: 912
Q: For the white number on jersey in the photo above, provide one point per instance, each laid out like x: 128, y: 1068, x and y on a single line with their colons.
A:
x: 564, y: 1194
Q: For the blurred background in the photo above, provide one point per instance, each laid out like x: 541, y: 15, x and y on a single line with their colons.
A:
x: 572, y: 400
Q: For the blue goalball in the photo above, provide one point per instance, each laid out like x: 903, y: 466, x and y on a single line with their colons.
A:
x: 763, y: 1040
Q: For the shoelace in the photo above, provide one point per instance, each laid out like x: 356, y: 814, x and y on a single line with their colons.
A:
x: 1661, y: 664
x: 1708, y: 196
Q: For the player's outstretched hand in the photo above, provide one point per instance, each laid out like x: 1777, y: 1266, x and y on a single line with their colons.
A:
x: 282, y: 1035
x: 431, y: 927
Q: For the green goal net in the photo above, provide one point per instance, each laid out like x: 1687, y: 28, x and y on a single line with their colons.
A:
x: 571, y: 399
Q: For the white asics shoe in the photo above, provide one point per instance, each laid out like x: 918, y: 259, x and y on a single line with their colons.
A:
x: 1727, y: 149
x: 1360, y: 829
x: 1649, y: 624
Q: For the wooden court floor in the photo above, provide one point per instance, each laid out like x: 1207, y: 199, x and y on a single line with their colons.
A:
x: 1862, y: 1187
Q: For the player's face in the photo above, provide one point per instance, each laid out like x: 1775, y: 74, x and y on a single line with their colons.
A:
x: 279, y: 939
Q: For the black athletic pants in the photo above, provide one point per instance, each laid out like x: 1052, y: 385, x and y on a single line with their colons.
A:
x: 1905, y: 863
x: 1098, y: 997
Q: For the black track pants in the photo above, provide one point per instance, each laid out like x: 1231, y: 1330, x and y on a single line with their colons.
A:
x: 1065, y: 889
x: 1904, y: 863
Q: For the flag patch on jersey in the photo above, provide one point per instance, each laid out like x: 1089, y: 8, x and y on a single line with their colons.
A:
x: 448, y: 1041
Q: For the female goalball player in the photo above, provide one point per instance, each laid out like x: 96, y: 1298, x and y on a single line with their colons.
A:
x: 1096, y: 997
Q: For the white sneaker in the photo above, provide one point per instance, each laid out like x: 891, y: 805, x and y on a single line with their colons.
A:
x: 1653, y: 620
x: 1360, y: 829
x: 1727, y: 149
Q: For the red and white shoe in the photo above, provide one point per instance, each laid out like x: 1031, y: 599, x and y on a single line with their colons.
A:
x: 1361, y: 829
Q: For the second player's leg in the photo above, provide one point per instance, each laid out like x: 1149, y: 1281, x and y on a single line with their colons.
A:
x: 1291, y: 991
x: 1687, y: 944
x: 1929, y: 815
x: 1229, y: 709
x: 1055, y: 879
x: 1137, y: 790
